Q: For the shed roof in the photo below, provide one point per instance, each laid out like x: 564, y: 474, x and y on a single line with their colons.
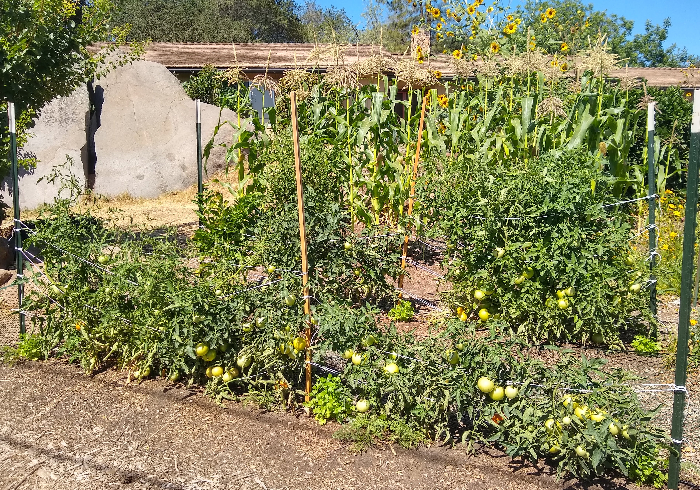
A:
x: 277, y: 57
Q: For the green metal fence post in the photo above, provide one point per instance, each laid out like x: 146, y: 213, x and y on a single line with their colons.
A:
x: 15, y: 203
x: 200, y: 181
x: 652, y: 206
x: 691, y: 210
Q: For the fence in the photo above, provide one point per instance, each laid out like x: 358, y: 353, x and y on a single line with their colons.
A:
x: 678, y: 388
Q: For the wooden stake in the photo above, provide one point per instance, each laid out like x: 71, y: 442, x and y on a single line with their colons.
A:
x: 411, y: 197
x: 302, y: 235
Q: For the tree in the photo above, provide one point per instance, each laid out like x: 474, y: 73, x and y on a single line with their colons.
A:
x: 210, y: 21
x: 327, y: 25
x: 647, y: 49
x: 390, y: 22
x: 44, y: 53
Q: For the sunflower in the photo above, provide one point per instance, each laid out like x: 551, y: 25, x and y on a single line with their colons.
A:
x: 478, y: 2
x: 438, y: 26
x: 449, y: 34
x: 550, y: 13
x: 510, y: 18
x: 457, y: 53
x: 510, y: 28
x: 443, y: 101
x: 471, y: 10
x: 489, y: 10
x: 518, y: 21
x: 414, y: 31
x: 438, y: 36
x: 435, y: 12
x: 543, y: 18
x: 564, y: 67
x: 495, y: 47
x: 437, y: 74
x: 564, y: 47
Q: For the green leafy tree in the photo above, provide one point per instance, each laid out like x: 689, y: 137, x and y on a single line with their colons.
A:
x: 210, y: 22
x: 327, y: 25
x: 44, y: 54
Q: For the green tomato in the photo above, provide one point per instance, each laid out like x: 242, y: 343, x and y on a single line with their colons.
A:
x: 484, y: 314
x: 485, y: 385
x: 391, y: 368
x: 103, y: 259
x: 347, y: 246
x: 290, y: 300
x: 201, y: 349
x: 479, y: 295
x: 217, y: 371
x: 209, y: 356
x: 563, y: 304
x: 362, y: 406
x: 519, y: 280
x: 511, y: 392
x: 529, y: 273
x: 497, y: 394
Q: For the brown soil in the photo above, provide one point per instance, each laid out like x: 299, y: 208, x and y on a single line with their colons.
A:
x: 61, y: 429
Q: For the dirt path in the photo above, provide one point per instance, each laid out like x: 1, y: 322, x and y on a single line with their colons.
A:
x: 60, y: 429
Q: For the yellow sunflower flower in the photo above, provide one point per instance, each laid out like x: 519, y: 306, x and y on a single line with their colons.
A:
x: 457, y: 53
x: 564, y: 47
x: 550, y: 13
x: 564, y: 67
x: 414, y: 31
x: 510, y: 18
x: 489, y: 10
x: 437, y: 74
x: 543, y: 18
x: 471, y: 10
x: 510, y: 28
x: 443, y: 101
x: 693, y: 322
x: 439, y: 26
x: 438, y: 36
x: 495, y: 47
x: 435, y: 12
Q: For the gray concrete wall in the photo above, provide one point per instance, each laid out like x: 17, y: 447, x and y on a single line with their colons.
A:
x: 58, y: 134
x: 140, y: 138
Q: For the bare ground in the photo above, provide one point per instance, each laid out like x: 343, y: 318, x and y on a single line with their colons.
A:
x: 61, y: 429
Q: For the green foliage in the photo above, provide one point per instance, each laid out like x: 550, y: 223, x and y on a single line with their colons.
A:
x: 271, y: 21
x: 649, y: 468
x: 44, y: 54
x: 644, y: 346
x: 330, y: 400
x: 365, y: 431
x: 527, y: 232
x: 221, y: 89
x: 31, y: 347
x: 402, y: 312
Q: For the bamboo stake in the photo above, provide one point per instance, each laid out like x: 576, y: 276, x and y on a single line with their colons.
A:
x: 691, y: 206
x: 411, y: 197
x: 302, y: 235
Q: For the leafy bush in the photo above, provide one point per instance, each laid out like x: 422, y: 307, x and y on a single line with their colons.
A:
x: 532, y: 245
x: 645, y: 346
x: 402, y: 312
x: 330, y: 400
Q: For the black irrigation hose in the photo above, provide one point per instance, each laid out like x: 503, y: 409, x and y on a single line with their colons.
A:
x: 689, y: 484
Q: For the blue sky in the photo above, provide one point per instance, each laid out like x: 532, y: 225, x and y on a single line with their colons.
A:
x: 684, y: 15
